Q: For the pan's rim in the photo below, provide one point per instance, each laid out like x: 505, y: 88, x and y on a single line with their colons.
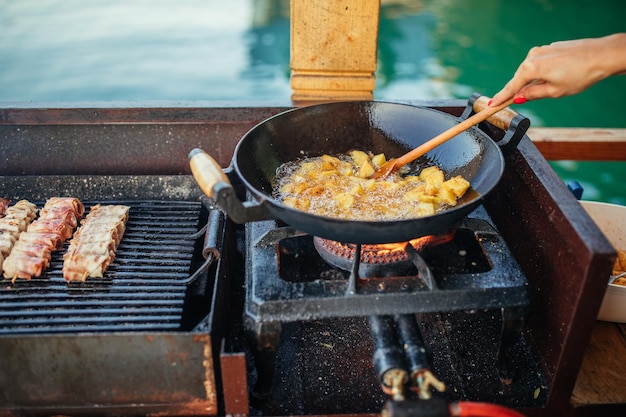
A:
x: 277, y: 208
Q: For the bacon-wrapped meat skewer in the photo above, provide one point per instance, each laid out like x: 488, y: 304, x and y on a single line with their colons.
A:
x: 61, y: 204
x: 92, y: 249
x: 32, y: 252
x: 16, y: 219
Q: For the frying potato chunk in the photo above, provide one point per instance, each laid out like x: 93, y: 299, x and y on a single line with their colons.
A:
x: 379, y: 160
x: 457, y: 185
x: 432, y: 175
x: 359, y: 157
x: 446, y: 196
x: 345, y: 200
x: 297, y: 203
x: 341, y: 187
x: 366, y: 170
x: 364, y: 164
x: 425, y: 209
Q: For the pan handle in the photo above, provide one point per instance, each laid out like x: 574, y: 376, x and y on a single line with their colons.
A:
x: 501, y: 119
x: 216, y: 185
x: 206, y: 171
x: 511, y: 122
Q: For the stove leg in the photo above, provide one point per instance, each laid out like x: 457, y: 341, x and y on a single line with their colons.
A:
x: 264, y: 339
x: 512, y: 325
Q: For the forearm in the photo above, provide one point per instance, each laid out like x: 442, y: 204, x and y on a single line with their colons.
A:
x: 615, y: 54
x: 565, y: 68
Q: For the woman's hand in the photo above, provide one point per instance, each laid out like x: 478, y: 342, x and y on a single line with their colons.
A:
x: 565, y: 68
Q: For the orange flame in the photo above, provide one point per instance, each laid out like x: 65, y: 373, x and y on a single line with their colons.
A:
x: 418, y: 243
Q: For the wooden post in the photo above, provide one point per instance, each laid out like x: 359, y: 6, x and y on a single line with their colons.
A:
x: 333, y: 49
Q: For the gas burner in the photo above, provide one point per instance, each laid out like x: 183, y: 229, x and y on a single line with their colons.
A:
x: 287, y: 279
x: 377, y: 260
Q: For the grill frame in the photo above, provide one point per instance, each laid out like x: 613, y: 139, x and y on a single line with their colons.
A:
x: 150, y: 142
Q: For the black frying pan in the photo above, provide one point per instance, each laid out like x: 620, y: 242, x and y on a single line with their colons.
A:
x: 335, y: 128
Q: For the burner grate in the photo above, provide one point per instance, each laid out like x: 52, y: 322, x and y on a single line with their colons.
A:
x: 283, y: 285
x: 144, y: 288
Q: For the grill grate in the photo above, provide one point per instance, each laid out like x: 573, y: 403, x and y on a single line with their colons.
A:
x: 143, y: 288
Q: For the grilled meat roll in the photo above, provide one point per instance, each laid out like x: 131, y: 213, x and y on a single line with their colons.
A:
x: 16, y: 219
x: 31, y: 253
x: 93, y: 247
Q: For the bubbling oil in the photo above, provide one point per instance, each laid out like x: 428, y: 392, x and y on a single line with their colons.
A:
x: 335, y: 186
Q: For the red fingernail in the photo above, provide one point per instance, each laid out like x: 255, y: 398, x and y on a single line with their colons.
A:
x: 489, y: 102
x: 520, y: 100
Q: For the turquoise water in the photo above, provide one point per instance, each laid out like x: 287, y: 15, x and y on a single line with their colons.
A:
x: 137, y: 50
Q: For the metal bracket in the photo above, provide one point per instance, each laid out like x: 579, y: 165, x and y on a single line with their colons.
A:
x: 239, y: 212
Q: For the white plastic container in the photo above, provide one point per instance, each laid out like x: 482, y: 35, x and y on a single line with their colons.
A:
x: 611, y: 219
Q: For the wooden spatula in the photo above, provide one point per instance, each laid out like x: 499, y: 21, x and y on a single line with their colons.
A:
x: 394, y: 164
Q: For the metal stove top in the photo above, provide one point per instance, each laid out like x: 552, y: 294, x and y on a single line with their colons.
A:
x: 287, y: 280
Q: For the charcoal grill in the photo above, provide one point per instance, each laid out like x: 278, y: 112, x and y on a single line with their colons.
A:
x: 197, y: 362
x: 154, y: 302
x: 144, y: 288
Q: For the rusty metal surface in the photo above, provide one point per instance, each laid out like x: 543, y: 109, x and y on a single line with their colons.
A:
x: 69, y: 373
x: 234, y: 383
x: 122, y: 141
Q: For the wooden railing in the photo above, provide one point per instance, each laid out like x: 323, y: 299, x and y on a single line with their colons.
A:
x: 581, y: 144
